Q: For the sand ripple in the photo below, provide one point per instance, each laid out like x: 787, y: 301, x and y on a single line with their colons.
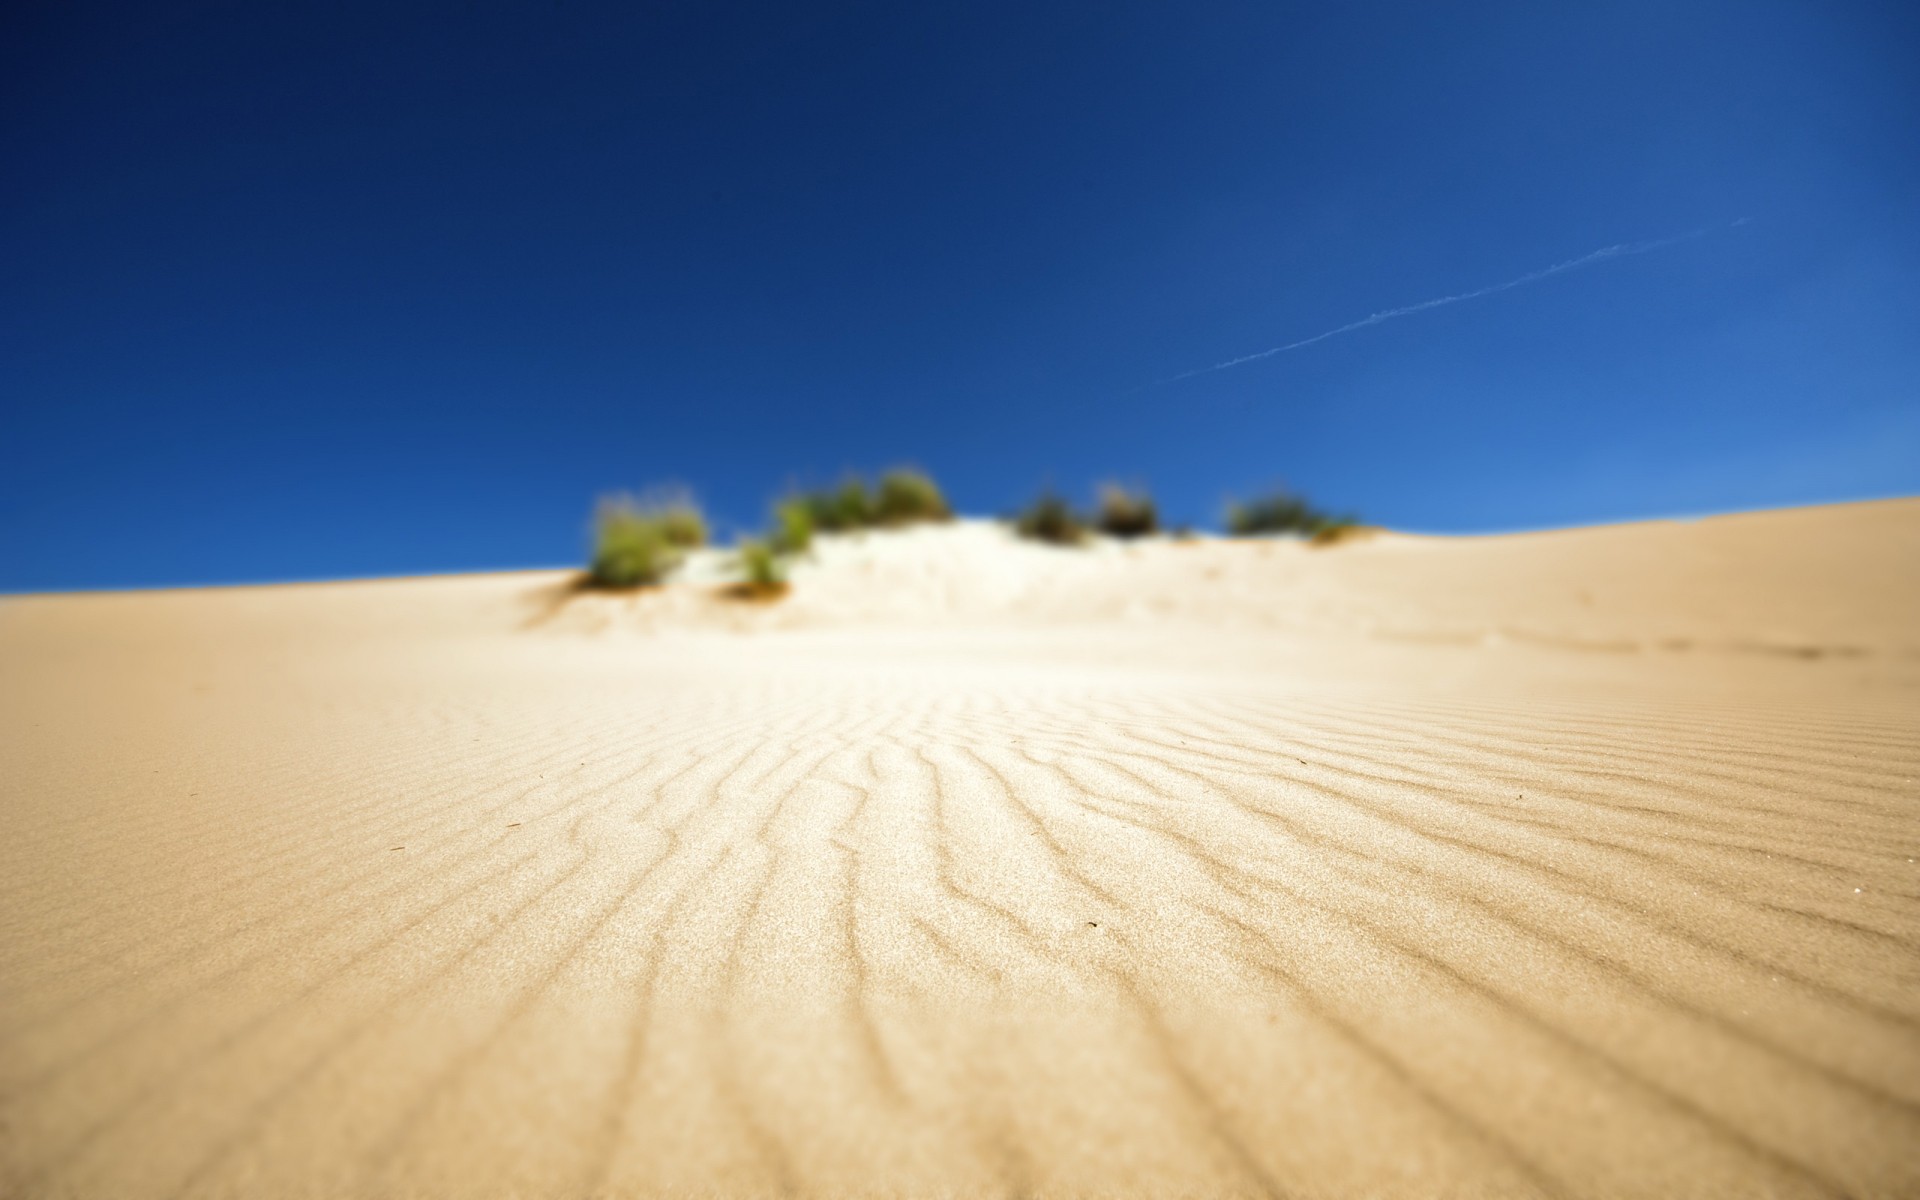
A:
x: 548, y: 914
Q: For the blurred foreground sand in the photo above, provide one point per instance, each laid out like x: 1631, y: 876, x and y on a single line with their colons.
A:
x: 1569, y: 863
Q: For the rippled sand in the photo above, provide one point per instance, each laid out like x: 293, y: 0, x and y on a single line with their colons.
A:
x: 1576, y: 863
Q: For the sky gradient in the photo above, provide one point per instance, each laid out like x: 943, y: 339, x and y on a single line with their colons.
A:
x: 312, y: 292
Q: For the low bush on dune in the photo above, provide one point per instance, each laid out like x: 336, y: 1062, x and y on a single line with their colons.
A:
x: 1278, y: 512
x: 838, y: 510
x: 822, y: 515
x: 792, y: 526
x: 853, y: 505
x: 906, y: 496
x: 683, y: 524
x: 1288, y: 512
x: 1126, y: 514
x: 761, y: 564
x: 902, y: 498
x: 1052, y: 520
x: 1120, y: 512
x: 637, y: 543
x: 1338, y: 530
x: 763, y: 571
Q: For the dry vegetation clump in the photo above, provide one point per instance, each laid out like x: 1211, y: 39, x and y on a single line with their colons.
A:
x: 1124, y: 513
x: 792, y: 526
x: 638, y: 543
x: 1340, y: 530
x: 838, y: 510
x: 763, y: 569
x: 683, y: 524
x: 1052, y: 520
x: 908, y: 496
x: 852, y: 505
x: 1286, y: 512
x: 903, y: 497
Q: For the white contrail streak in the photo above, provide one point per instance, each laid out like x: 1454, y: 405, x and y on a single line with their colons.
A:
x: 1618, y: 250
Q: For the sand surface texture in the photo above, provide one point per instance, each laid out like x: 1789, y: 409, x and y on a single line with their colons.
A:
x: 1576, y: 863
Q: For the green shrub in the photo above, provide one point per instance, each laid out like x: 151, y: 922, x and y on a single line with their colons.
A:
x: 1126, y: 514
x: 836, y: 510
x: 822, y: 512
x: 1279, y: 512
x: 634, y: 544
x: 761, y: 565
x: 908, y: 496
x: 1051, y: 519
x: 903, y: 497
x: 683, y: 524
x: 852, y: 506
x: 792, y: 526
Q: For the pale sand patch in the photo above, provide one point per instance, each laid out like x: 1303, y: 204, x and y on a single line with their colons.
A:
x: 1569, y: 863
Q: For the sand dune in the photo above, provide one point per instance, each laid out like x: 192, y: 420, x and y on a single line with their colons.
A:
x: 1575, y: 863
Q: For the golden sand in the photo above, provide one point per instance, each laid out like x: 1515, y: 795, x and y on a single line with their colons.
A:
x: 1570, y: 863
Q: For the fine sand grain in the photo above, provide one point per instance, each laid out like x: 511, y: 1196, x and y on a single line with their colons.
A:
x: 1575, y: 863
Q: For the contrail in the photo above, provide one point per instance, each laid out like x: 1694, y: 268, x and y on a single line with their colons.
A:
x: 1617, y: 250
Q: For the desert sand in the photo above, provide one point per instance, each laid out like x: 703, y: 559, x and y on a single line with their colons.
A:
x: 1575, y: 863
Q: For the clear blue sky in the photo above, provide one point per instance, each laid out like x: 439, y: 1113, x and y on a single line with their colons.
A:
x: 297, y: 292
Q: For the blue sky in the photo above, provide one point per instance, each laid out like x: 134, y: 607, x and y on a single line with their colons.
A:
x: 303, y: 292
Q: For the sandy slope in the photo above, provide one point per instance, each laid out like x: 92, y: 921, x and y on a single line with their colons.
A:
x: 1572, y: 863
